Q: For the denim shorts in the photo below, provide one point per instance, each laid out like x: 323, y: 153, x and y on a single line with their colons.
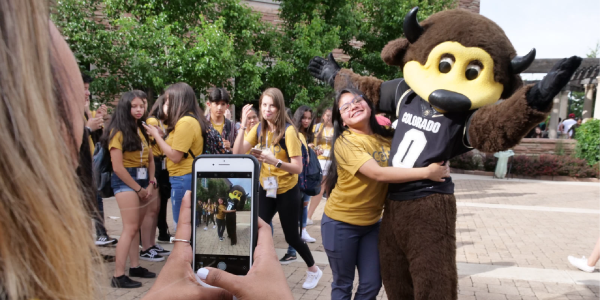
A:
x: 119, y: 186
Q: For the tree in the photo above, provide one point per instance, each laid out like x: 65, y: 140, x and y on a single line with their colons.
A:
x: 576, y: 100
x: 148, y: 44
x: 594, y: 51
x: 212, y: 189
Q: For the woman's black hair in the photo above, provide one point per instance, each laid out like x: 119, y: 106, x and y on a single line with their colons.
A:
x: 339, y: 129
x: 123, y: 121
x: 298, y: 115
x: 157, y: 110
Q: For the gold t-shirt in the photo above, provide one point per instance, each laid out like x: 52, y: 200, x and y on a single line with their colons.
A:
x: 325, y: 141
x: 218, y: 127
x: 131, y: 159
x: 357, y: 199
x: 285, y: 180
x: 152, y: 121
x: 220, y: 212
x: 186, y: 135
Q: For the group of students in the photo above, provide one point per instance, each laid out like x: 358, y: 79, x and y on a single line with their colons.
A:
x: 225, y: 213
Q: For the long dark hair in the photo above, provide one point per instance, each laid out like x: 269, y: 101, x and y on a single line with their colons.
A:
x: 123, y: 121
x: 182, y: 102
x: 339, y: 129
x: 157, y: 110
x: 298, y: 116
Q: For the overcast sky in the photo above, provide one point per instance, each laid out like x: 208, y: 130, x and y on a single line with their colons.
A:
x: 244, y: 182
x: 555, y: 28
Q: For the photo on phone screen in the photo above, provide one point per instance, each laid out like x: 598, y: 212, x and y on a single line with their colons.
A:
x: 223, y: 217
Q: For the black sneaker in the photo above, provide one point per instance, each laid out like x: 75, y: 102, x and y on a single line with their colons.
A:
x: 150, y: 255
x: 103, y: 240
x: 160, y: 250
x: 141, y: 272
x: 124, y: 282
x: 287, y: 259
x: 164, y: 238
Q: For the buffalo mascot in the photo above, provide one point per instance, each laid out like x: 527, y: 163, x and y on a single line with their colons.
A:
x: 457, y: 65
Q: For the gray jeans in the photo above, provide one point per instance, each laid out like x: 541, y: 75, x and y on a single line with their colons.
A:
x: 351, y: 247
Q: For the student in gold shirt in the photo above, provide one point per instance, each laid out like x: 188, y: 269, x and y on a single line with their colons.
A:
x: 185, y: 139
x: 218, y: 101
x: 221, y: 209
x: 279, y: 191
x: 323, y: 142
x: 357, y: 186
x: 132, y: 183
x: 157, y: 117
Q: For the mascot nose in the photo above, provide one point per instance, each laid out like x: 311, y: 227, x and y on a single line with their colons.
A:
x: 449, y: 101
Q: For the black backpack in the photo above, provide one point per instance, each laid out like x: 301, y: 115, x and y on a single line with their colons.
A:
x: 102, y: 169
x: 309, y: 181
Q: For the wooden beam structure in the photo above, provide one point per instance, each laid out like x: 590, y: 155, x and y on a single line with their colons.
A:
x: 543, y: 65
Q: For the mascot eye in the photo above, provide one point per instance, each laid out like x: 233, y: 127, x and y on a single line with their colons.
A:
x: 473, y: 70
x: 446, y: 63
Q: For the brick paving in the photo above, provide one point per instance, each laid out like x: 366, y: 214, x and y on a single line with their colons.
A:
x: 514, y: 252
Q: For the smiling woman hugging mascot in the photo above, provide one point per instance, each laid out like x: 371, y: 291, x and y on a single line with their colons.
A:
x: 457, y: 65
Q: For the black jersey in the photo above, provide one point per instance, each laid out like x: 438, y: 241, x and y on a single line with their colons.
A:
x: 423, y: 136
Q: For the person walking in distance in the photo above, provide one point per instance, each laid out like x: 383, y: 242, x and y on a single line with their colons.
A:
x: 281, y: 158
x: 209, y: 207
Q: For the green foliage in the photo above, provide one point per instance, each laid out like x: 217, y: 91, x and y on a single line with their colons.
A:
x: 212, y: 189
x: 588, y: 142
x: 576, y: 100
x: 148, y: 44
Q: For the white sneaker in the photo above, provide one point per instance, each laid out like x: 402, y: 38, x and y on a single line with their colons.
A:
x: 205, y: 228
x: 306, y: 237
x: 581, y: 264
x: 309, y: 222
x: 312, y: 279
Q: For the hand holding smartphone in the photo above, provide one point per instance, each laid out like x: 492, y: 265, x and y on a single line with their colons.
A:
x: 229, y: 186
x: 255, y: 152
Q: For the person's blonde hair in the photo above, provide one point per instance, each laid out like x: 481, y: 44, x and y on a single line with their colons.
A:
x: 281, y: 119
x: 46, y: 246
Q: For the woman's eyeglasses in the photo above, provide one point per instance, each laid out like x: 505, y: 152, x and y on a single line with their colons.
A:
x: 344, y: 108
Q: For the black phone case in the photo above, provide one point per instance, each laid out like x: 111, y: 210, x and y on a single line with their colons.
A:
x: 255, y: 186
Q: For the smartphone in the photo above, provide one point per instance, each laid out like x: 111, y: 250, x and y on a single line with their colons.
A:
x: 255, y: 151
x: 225, y: 212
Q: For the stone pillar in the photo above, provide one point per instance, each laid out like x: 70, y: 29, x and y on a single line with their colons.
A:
x: 564, y: 104
x: 597, y: 106
x: 471, y: 5
x: 588, y: 101
x: 554, y: 117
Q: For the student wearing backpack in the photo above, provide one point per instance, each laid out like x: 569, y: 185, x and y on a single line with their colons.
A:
x: 303, y: 120
x: 218, y: 102
x: 132, y: 183
x: 357, y: 186
x: 157, y: 117
x: 323, y: 142
x: 186, y: 128
x: 279, y: 188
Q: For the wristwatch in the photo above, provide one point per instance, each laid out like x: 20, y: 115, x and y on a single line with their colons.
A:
x: 278, y: 164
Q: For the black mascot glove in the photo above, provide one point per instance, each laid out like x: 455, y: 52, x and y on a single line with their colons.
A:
x: 324, y: 69
x: 540, y: 95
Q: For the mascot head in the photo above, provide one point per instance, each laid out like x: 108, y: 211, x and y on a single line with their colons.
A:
x: 457, y: 60
x: 238, y: 192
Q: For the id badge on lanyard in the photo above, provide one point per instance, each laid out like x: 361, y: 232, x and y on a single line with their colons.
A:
x: 270, y: 185
x: 142, y: 173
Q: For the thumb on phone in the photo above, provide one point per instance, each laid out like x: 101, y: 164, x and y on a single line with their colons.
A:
x: 221, y: 279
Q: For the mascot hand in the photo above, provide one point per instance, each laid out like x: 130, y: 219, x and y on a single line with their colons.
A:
x: 540, y: 95
x: 324, y: 69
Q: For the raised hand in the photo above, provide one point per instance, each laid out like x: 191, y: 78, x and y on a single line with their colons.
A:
x: 324, y: 69
x: 540, y: 95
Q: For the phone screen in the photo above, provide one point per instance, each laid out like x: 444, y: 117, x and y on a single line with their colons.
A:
x: 223, y: 221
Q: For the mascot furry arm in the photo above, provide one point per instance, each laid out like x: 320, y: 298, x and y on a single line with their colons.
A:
x: 461, y: 62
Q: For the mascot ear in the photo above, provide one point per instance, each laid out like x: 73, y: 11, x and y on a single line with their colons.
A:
x: 393, y: 53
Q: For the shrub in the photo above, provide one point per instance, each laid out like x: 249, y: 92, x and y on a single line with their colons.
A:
x: 489, y: 162
x: 588, y: 142
x: 465, y: 161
